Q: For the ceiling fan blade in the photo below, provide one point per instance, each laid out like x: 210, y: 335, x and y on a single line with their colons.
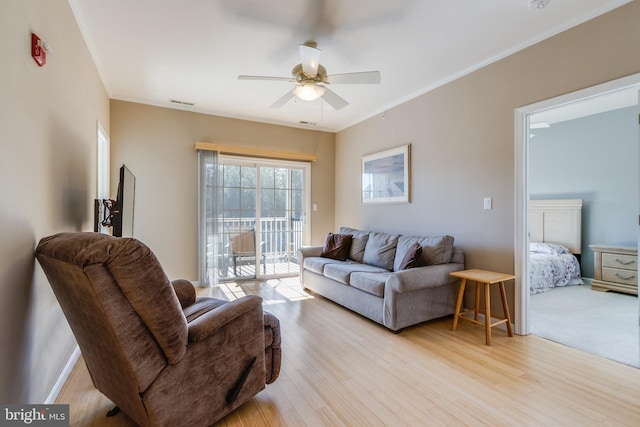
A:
x: 283, y: 79
x: 310, y: 59
x: 333, y: 99
x: 283, y: 100
x: 365, y: 77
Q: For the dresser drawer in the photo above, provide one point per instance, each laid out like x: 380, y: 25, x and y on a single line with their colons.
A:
x: 625, y: 262
x: 615, y: 269
x: 618, y: 275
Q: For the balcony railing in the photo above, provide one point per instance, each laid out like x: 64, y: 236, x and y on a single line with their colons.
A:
x: 277, y: 242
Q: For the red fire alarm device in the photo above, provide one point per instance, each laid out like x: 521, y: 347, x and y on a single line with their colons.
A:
x: 37, y: 51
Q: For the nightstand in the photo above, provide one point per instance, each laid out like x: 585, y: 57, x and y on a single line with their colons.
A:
x: 615, y: 269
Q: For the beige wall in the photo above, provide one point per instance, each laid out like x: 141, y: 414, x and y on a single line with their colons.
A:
x: 157, y: 145
x: 462, y: 137
x: 48, y: 121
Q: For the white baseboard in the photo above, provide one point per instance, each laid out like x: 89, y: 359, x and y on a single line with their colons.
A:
x: 64, y: 375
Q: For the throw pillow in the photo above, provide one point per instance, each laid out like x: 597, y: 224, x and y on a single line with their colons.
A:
x: 435, y: 249
x: 380, y: 250
x: 358, y: 243
x: 337, y: 246
x: 411, y: 257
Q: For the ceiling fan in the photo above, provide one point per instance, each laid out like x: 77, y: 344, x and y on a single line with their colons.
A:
x: 311, y: 79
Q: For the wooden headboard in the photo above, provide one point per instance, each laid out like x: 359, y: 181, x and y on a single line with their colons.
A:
x: 556, y: 221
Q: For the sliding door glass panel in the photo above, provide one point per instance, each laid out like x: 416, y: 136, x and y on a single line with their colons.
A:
x: 238, y: 221
x: 281, y: 219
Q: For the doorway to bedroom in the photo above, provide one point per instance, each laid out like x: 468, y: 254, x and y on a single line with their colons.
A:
x: 567, y: 150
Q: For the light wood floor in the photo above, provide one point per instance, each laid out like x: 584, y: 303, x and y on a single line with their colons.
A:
x: 339, y: 369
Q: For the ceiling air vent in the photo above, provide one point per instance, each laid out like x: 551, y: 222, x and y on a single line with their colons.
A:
x: 538, y: 4
x: 303, y: 122
x: 175, y: 101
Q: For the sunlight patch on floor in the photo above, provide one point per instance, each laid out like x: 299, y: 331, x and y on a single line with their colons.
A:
x: 272, y: 291
x: 232, y: 291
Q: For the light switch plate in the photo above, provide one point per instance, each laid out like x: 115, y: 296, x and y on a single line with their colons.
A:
x: 488, y: 203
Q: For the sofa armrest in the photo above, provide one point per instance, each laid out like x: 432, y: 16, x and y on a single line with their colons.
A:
x: 208, y: 323
x: 309, y: 251
x: 429, y: 276
x: 185, y: 291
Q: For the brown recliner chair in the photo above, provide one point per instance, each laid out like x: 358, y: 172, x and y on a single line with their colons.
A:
x: 163, y: 356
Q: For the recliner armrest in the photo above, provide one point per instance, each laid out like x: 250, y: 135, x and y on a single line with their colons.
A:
x: 208, y: 323
x: 185, y: 291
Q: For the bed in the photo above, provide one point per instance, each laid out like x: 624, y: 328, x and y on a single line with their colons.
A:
x: 555, y: 228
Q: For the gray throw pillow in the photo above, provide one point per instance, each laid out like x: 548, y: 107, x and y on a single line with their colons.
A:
x: 435, y: 250
x: 358, y: 242
x: 380, y: 250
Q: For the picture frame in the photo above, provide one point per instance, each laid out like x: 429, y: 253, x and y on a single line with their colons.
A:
x: 386, y: 176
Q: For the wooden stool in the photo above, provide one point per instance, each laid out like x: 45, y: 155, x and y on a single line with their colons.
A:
x: 488, y: 278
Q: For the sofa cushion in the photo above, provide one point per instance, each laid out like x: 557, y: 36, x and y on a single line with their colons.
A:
x: 358, y: 242
x: 341, y: 272
x: 435, y: 250
x: 317, y: 264
x: 380, y: 250
x: 372, y: 283
x: 412, y: 256
x: 337, y: 246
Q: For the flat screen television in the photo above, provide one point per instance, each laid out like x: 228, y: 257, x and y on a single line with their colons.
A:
x: 125, y: 204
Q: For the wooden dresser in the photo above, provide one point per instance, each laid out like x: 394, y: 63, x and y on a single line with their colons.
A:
x: 615, y: 269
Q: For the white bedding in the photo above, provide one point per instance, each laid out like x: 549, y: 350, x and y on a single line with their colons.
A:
x: 550, y: 266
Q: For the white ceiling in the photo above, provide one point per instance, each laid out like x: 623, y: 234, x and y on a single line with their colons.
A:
x: 154, y: 51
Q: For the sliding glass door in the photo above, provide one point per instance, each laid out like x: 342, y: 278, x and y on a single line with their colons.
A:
x: 255, y: 218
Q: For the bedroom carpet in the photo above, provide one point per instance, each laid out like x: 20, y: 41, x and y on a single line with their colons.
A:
x: 601, y: 323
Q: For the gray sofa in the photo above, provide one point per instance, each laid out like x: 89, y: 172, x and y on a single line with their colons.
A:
x: 370, y: 282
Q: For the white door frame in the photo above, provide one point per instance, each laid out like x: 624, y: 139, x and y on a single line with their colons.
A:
x: 522, y: 115
x: 103, y: 166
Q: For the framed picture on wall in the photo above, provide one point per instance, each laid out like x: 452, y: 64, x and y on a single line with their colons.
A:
x: 386, y: 176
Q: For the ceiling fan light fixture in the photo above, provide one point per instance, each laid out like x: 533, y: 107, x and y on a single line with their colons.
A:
x: 308, y: 91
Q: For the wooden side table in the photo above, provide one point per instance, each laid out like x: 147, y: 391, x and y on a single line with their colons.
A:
x: 487, y: 278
